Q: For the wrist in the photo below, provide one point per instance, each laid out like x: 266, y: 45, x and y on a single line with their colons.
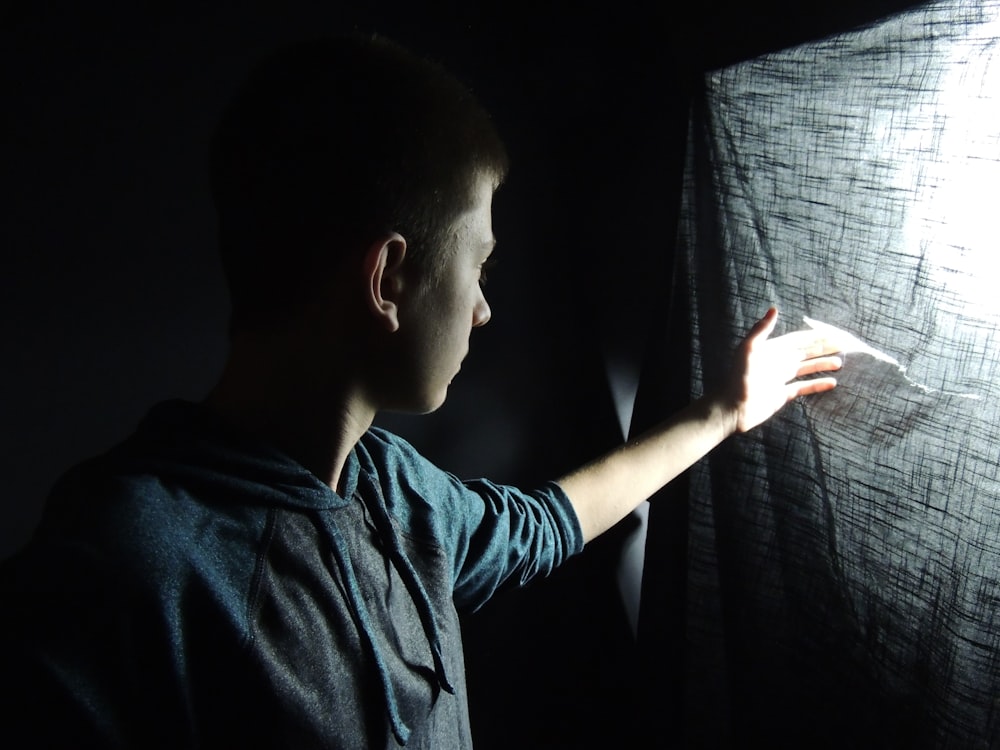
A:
x: 721, y: 410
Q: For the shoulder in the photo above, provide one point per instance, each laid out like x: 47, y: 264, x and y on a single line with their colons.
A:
x: 396, y: 461
x: 379, y: 441
x: 426, y: 500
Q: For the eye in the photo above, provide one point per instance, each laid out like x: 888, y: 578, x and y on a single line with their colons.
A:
x: 484, y: 268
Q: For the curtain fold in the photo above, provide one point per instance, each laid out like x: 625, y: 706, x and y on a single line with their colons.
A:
x: 843, y: 561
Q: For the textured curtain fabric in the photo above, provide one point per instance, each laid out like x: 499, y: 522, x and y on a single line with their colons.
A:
x: 843, y: 561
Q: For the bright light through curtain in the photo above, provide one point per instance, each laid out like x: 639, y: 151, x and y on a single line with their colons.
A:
x: 843, y: 585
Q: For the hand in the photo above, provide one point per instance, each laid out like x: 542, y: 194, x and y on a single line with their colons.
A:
x: 765, y: 376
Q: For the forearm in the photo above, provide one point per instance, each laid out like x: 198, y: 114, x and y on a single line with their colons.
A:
x: 767, y: 376
x: 606, y: 490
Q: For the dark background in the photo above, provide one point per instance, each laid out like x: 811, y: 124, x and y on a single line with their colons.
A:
x: 113, y: 299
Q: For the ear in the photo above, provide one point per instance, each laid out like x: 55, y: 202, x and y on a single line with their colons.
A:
x: 383, y: 275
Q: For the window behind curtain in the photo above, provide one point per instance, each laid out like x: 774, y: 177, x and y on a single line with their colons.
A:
x: 843, y: 565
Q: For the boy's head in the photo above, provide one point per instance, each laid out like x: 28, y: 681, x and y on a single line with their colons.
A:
x: 331, y: 144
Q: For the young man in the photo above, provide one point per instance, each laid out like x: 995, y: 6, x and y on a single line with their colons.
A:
x: 266, y: 568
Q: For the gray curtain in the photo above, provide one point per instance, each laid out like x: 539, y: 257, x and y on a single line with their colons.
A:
x: 843, y: 562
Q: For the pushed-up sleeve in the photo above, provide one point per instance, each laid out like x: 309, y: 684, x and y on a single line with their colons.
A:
x: 511, y: 536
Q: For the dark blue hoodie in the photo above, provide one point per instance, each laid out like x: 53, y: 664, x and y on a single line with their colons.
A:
x: 194, y: 587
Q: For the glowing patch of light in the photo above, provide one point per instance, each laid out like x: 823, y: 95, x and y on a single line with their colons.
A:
x: 953, y: 221
x: 848, y: 343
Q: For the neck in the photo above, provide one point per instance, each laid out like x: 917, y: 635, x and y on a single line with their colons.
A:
x: 310, y: 414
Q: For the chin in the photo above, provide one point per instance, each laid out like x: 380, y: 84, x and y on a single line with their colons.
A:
x: 427, y: 404
x: 434, y: 404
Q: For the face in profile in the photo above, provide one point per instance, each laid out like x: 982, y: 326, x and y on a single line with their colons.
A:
x: 437, y: 319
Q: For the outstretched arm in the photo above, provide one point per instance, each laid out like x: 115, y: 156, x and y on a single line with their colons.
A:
x: 765, y: 377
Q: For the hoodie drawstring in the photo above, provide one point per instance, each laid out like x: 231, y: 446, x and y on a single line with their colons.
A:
x: 359, y: 612
x: 413, y: 585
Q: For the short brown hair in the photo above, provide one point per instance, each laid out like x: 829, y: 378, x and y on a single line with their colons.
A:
x: 329, y: 143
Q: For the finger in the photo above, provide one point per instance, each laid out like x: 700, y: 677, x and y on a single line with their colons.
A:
x: 809, y: 387
x: 762, y: 328
x: 807, y: 343
x: 819, y: 364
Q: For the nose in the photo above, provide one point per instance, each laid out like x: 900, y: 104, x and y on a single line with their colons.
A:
x: 481, y: 314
